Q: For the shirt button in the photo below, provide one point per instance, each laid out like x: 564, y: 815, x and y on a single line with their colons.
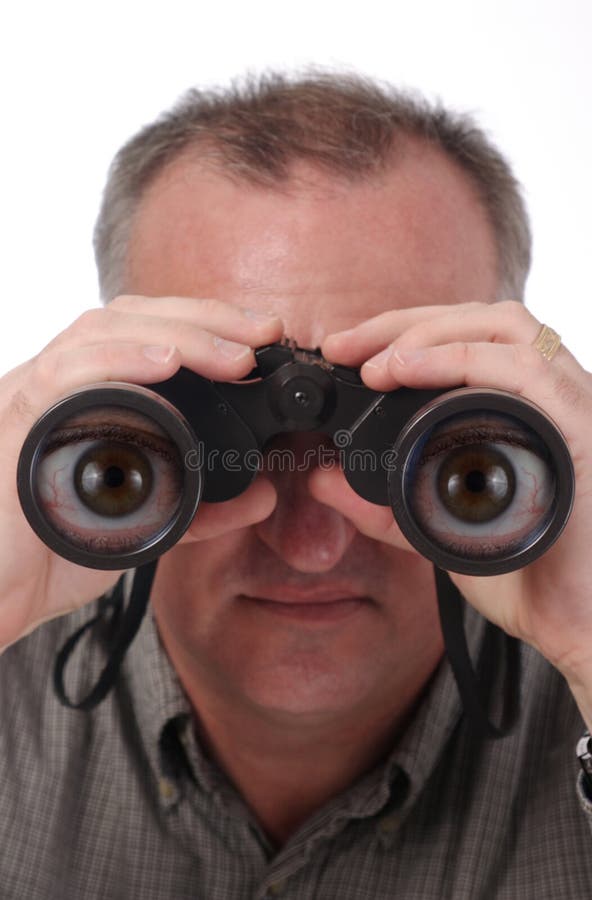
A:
x: 166, y: 788
x: 276, y: 888
x: 388, y: 824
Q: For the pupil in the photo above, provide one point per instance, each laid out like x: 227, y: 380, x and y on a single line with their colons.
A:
x: 114, y: 476
x: 475, y: 481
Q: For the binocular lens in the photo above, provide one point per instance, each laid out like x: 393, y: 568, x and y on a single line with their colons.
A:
x: 483, y: 485
x: 481, y: 488
x: 107, y: 481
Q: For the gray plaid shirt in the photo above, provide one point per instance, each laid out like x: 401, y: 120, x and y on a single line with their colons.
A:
x: 122, y: 802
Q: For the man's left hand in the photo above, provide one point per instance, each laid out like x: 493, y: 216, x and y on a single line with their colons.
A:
x: 548, y: 603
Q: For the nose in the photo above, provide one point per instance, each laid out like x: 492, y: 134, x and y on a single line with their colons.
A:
x: 307, y: 535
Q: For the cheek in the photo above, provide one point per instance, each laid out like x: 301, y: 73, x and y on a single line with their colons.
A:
x: 409, y: 593
x: 191, y: 578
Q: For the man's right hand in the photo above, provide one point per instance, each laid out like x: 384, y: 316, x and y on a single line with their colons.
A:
x: 140, y: 340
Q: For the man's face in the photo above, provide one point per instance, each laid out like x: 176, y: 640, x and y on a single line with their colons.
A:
x: 324, y: 255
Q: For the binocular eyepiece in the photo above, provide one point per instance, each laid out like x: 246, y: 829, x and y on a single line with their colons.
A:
x: 480, y: 481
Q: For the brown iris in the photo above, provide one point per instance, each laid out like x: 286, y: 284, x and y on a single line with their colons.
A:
x: 476, y: 483
x: 113, y: 479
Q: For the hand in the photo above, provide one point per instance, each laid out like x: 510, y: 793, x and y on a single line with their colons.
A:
x: 134, y: 339
x: 548, y: 603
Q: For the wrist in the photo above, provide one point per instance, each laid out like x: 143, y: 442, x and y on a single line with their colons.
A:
x: 580, y: 685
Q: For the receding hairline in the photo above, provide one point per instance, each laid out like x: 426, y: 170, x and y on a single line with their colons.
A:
x: 432, y: 200
x: 347, y: 125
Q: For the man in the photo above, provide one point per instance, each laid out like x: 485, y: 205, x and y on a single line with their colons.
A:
x: 285, y: 724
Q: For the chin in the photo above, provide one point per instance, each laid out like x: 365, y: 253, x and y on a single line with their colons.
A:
x: 308, y: 689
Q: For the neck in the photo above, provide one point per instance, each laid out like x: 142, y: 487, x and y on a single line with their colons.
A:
x: 286, y: 771
x: 287, y: 766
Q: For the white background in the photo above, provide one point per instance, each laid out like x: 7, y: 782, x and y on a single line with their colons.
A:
x: 77, y: 79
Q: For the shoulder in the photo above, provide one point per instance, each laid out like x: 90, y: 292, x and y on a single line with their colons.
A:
x: 35, y: 728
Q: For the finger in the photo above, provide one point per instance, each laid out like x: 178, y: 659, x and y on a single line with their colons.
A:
x: 209, y: 312
x: 354, y: 346
x: 208, y: 318
x: 502, y: 323
x: 30, y: 389
x: 409, y: 349
x: 56, y: 370
x: 518, y: 368
x: 215, y: 519
x: 329, y: 486
x: 505, y: 323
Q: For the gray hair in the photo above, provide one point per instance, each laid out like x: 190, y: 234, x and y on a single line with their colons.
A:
x: 346, y: 124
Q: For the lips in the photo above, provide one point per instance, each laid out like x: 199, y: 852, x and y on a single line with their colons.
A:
x: 290, y: 596
x: 325, y: 604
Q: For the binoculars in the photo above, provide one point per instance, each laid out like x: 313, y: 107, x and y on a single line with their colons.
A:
x: 480, y: 481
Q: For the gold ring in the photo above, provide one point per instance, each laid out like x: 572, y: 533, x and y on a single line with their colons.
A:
x: 547, y: 342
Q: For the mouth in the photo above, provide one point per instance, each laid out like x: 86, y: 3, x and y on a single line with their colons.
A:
x: 323, y: 605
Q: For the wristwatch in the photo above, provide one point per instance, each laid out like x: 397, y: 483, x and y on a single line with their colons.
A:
x: 584, y: 754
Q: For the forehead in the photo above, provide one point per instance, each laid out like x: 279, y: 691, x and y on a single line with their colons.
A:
x: 323, y: 252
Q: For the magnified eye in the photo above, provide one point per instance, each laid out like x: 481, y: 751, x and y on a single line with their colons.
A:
x: 481, y: 485
x: 109, y: 480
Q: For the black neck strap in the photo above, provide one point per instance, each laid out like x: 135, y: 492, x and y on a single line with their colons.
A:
x: 125, y: 624
x: 473, y: 692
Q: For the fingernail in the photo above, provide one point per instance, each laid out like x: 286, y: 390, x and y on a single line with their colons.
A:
x: 380, y: 360
x: 230, y: 349
x: 159, y: 353
x: 260, y: 315
x: 409, y: 357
